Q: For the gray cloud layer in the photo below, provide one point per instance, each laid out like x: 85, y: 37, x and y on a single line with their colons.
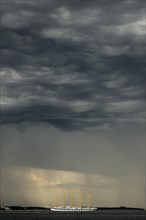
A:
x: 77, y: 66
x: 73, y: 64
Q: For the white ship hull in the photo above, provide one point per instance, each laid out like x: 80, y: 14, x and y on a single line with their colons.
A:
x: 73, y: 209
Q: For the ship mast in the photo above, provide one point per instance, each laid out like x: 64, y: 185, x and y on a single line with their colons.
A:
x: 88, y: 199
x: 55, y: 200
x: 81, y: 199
x: 63, y: 200
x: 72, y: 199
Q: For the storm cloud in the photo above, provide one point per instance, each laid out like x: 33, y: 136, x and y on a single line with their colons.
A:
x: 73, y: 98
x: 70, y: 64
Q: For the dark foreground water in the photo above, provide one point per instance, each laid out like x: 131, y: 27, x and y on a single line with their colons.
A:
x: 97, y: 215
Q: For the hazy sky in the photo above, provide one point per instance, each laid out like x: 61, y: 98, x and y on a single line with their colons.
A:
x: 73, y: 101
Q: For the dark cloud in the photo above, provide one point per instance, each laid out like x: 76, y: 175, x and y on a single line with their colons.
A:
x: 73, y: 99
x: 66, y: 63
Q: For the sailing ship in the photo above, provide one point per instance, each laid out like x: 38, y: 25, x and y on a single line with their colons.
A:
x: 73, y: 208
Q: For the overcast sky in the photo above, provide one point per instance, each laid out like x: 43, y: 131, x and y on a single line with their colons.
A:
x: 73, y: 101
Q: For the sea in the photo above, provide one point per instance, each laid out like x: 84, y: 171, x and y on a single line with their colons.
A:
x: 97, y: 215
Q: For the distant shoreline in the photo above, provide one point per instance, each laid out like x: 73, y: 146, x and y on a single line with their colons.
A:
x: 23, y: 208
